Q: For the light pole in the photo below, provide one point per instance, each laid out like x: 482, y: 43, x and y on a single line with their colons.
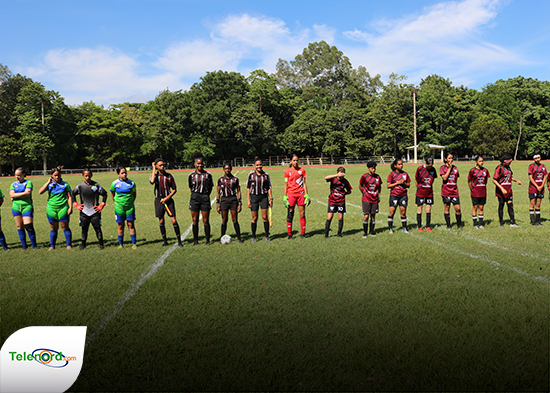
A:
x: 413, y: 92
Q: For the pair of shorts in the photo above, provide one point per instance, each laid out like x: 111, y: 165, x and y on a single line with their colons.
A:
x: 94, y: 219
x: 200, y: 202
x: 424, y: 200
x: 370, y: 208
x: 259, y: 202
x: 479, y: 200
x: 22, y: 210
x: 509, y: 199
x: 533, y: 195
x: 229, y: 203
x: 449, y: 200
x: 122, y: 215
x: 337, y: 208
x: 299, y: 200
x: 160, y: 209
x: 57, y: 214
x: 399, y: 200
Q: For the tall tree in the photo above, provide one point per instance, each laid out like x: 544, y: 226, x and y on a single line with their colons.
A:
x: 490, y: 135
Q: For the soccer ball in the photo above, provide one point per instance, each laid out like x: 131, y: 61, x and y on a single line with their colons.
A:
x: 225, y: 239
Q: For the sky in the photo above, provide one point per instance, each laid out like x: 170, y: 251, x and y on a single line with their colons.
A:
x: 114, y: 51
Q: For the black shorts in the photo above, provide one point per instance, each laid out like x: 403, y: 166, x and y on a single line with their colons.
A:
x: 199, y: 202
x: 399, y: 200
x: 337, y: 208
x: 479, y: 200
x: 229, y: 203
x: 370, y: 208
x: 449, y: 200
x: 259, y: 201
x: 424, y: 200
x: 160, y: 209
x: 94, y: 219
x: 505, y: 199
x: 533, y: 195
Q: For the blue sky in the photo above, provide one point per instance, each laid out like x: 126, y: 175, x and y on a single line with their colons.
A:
x: 129, y: 50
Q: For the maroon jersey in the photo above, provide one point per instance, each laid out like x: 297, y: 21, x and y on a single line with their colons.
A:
x: 400, y: 189
x: 258, y: 184
x: 425, y: 179
x: 201, y: 182
x: 503, y: 176
x: 370, y: 186
x: 478, y: 179
x: 538, y: 172
x: 164, y: 183
x: 228, y: 185
x: 450, y: 186
x: 338, y: 189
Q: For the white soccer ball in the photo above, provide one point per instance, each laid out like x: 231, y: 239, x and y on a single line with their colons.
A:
x: 225, y: 239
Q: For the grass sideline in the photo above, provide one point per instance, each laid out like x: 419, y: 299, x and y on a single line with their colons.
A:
x: 460, y: 310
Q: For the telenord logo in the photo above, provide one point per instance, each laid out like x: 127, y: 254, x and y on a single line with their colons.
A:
x: 42, y: 359
x: 44, y: 356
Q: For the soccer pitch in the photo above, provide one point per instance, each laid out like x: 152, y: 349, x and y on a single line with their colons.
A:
x: 454, y: 310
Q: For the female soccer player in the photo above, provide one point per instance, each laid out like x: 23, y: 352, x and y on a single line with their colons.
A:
x: 398, y: 182
x: 58, y: 208
x: 449, y: 190
x: 259, y: 196
x: 228, y: 198
x: 339, y: 188
x: 477, y: 181
x: 165, y: 189
x: 200, y: 184
x: 90, y: 208
x: 22, y: 208
x: 424, y: 178
x: 295, y: 193
x: 537, y: 178
x: 371, y: 186
x: 2, y: 237
x: 124, y: 194
x: 503, y: 189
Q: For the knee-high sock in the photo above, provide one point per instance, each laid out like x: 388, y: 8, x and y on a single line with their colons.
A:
x: 340, y: 226
x: 390, y: 222
x: 237, y: 227
x: 133, y: 239
x: 22, y: 237
x: 448, y: 219
x: 365, y: 227
x: 327, y: 227
x: 195, y: 233
x: 428, y: 219
x: 32, y: 233
x: 266, y: 228
x: 163, y: 232
x: 372, y: 224
x: 474, y: 219
x: 68, y: 237
x: 303, y: 225
x: 537, y: 216
x: 511, y: 213
x: 458, y: 220
x: 207, y: 231
x: 3, y: 241
x: 404, y: 222
x: 419, y: 219
x: 53, y: 238
x: 177, y: 231
x: 480, y: 218
x: 253, y: 228
x: 501, y: 213
x: 532, y: 216
x: 224, y: 229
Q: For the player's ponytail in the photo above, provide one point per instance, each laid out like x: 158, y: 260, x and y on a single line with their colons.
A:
x: 394, y: 163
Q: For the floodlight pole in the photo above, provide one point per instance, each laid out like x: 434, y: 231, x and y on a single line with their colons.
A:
x: 413, y: 92
x: 44, y: 159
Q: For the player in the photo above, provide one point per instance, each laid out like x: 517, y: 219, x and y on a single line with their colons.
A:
x: 2, y: 237
x: 503, y: 179
x: 259, y: 195
x: 477, y: 181
x: 165, y: 189
x: 339, y: 188
x: 424, y: 179
x: 398, y: 181
x: 200, y: 184
x: 228, y: 198
x: 124, y: 194
x: 58, y: 208
x: 537, y: 179
x: 370, y: 185
x: 22, y: 208
x: 295, y: 193
x: 90, y: 208
x: 449, y: 190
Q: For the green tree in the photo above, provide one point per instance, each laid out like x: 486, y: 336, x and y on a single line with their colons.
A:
x: 490, y: 135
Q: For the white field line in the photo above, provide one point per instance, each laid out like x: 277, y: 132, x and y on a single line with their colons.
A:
x: 136, y: 286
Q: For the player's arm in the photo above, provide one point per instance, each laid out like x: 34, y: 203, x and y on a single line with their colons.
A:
x: 152, y: 177
x: 517, y: 181
x: 218, y: 208
x: 135, y: 192
x: 502, y: 189
x: 348, y: 188
x: 20, y: 195
x: 330, y: 177
x: 532, y: 181
x: 445, y: 176
x: 305, y: 187
x: 270, y: 195
x: 44, y: 188
x: 248, y: 198
x: 1, y: 200
x: 70, y: 201
x: 407, y: 183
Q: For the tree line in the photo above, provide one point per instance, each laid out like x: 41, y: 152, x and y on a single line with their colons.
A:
x: 316, y: 104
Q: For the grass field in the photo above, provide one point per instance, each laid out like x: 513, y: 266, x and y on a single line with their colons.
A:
x: 461, y: 310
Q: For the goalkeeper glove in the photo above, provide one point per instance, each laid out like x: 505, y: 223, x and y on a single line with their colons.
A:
x: 308, y: 201
x: 285, y: 202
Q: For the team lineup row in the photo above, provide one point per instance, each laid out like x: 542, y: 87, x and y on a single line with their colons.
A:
x: 259, y: 197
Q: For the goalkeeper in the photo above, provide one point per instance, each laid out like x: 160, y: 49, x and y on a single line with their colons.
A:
x: 295, y: 193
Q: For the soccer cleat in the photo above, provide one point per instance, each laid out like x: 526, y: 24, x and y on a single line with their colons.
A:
x: 372, y: 235
x: 134, y: 247
x: 326, y: 236
x: 476, y: 226
x: 267, y: 239
x: 165, y: 244
x: 391, y: 231
x: 514, y: 225
x: 253, y: 240
x: 24, y: 249
x: 289, y: 237
x: 101, y: 247
x: 6, y: 249
x: 195, y: 243
x: 339, y: 235
x: 208, y: 243
x: 120, y: 247
x: 180, y: 244
x: 481, y: 227
x: 405, y: 231
x: 36, y: 248
x: 365, y: 235
x: 303, y: 236
x: 240, y: 241
x: 420, y: 229
x: 428, y: 229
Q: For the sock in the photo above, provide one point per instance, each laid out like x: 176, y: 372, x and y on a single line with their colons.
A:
x: 419, y: 219
x: 458, y: 220
x: 53, y: 238
x: 177, y: 231
x: 195, y: 233
x: 327, y: 227
x: 237, y: 229
x: 207, y: 232
x: 303, y: 225
x: 366, y: 227
x: 428, y: 219
x: 480, y: 218
x: 372, y: 224
x: 68, y: 237
x: 253, y: 227
x: 224, y: 229
x: 537, y: 216
x: 532, y: 216
x: 390, y: 222
x: 289, y: 228
x: 474, y: 219
x: 511, y: 213
x: 99, y: 235
x: 120, y: 240
x: 163, y: 232
x: 32, y: 236
x: 22, y: 237
x: 501, y: 213
x: 3, y: 241
x: 448, y: 220
x: 133, y: 238
x: 340, y: 226
x: 404, y: 222
x: 266, y: 229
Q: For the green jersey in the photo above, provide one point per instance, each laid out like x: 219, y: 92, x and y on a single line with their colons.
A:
x: 21, y: 187
x: 58, y: 194
x: 124, y: 193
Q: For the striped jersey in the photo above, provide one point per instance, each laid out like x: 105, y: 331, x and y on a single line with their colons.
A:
x: 503, y: 176
x: 478, y: 179
x: 338, y: 189
x: 164, y: 184
x: 425, y: 179
x: 370, y: 186
x: 228, y: 185
x: 537, y: 172
x: 259, y: 184
x: 449, y: 188
x: 201, y: 182
x: 400, y: 189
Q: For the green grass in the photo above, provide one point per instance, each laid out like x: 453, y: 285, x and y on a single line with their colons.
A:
x: 460, y: 310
